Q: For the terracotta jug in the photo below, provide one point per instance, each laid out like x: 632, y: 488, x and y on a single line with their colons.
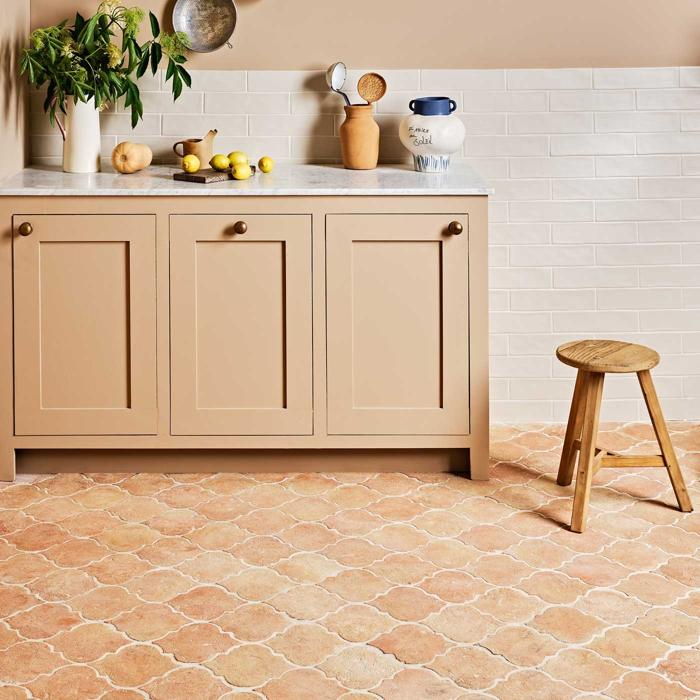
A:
x: 359, y: 138
x: 202, y: 148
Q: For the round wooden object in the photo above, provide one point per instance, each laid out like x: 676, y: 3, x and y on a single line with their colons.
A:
x: 607, y: 356
x: 371, y: 87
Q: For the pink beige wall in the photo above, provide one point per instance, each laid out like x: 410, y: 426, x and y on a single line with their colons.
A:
x: 13, y: 30
x: 300, y: 34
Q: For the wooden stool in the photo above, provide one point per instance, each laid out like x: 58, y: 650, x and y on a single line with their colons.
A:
x: 593, y: 358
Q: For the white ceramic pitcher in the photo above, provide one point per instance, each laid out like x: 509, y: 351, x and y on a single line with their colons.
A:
x: 81, y: 137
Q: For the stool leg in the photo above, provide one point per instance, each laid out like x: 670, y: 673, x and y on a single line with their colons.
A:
x: 664, y: 440
x: 584, y: 477
x: 573, y: 430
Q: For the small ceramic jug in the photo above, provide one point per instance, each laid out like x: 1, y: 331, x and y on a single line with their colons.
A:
x: 359, y: 138
x: 202, y: 148
x: 432, y: 133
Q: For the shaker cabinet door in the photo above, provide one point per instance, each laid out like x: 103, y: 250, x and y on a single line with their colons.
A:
x: 240, y: 290
x: 85, y: 324
x: 398, y: 324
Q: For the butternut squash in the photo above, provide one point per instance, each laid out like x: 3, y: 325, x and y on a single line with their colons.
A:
x: 130, y: 157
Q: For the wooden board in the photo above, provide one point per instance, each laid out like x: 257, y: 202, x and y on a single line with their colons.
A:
x: 208, y: 175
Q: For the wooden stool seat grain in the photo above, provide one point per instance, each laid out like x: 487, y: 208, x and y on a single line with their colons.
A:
x: 593, y: 359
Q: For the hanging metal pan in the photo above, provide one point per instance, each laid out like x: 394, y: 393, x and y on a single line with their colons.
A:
x: 209, y: 24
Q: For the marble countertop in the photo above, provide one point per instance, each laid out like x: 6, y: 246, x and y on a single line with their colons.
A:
x: 286, y: 180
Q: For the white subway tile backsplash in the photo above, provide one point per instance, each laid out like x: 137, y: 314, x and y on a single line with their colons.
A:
x: 638, y: 210
x: 463, y: 80
x: 621, y: 166
x: 616, y: 78
x: 550, y: 79
x: 495, y: 101
x: 593, y: 145
x: 633, y: 122
x: 549, y: 123
x: 595, y: 221
x: 594, y: 188
x: 246, y: 103
x: 552, y: 167
x: 591, y: 100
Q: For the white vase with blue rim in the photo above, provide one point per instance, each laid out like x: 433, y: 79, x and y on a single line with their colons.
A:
x: 432, y: 133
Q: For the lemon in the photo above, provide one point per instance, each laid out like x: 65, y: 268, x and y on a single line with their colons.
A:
x: 220, y: 162
x: 190, y: 164
x: 238, y: 158
x: 242, y: 171
x: 266, y: 164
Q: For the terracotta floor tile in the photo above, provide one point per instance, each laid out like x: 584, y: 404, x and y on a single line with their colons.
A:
x: 508, y: 604
x: 257, y: 584
x: 305, y: 645
x: 62, y: 585
x: 652, y: 588
x: 306, y: 602
x: 411, y: 644
x: 462, y: 623
x: 307, y: 567
x: 407, y: 604
x: 454, y: 586
x: 417, y: 684
x: 629, y: 647
x: 521, y: 646
x: 135, y: 665
x: 289, y: 586
x: 24, y: 567
x: 186, y: 684
x: 683, y: 666
x: 249, y: 665
x: 160, y: 585
x: 360, y: 667
x: 612, y: 606
x: 403, y: 569
x: 596, y: 570
x: 196, y: 643
x: 205, y: 602
x: 500, y: 569
x: 670, y: 626
x: 567, y: 624
x: 356, y: 585
x: 533, y: 685
x: 72, y: 683
x: 104, y: 603
x: 471, y: 668
x: 301, y: 684
x: 583, y: 669
x: 359, y: 623
x: 149, y: 621
x: 310, y: 537
x: 253, y: 622
x: 642, y: 685
x: 44, y: 621
x: 25, y: 661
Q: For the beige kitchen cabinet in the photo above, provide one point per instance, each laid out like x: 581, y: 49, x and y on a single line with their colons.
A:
x: 240, y: 310
x: 398, y: 323
x: 85, y: 316
x: 315, y: 319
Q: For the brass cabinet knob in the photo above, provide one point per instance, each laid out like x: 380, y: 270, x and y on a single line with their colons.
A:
x: 25, y: 229
x: 240, y: 227
x: 455, y: 228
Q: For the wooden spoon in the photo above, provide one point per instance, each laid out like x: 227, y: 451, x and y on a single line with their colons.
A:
x: 371, y: 87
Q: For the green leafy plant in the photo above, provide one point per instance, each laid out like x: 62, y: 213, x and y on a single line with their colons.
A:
x: 89, y: 60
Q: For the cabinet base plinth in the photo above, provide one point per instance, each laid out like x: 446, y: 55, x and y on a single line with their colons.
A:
x: 183, y: 461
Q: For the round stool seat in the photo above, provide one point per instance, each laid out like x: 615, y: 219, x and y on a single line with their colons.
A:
x: 607, y: 356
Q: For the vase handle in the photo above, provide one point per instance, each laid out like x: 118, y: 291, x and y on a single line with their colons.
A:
x: 453, y: 106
